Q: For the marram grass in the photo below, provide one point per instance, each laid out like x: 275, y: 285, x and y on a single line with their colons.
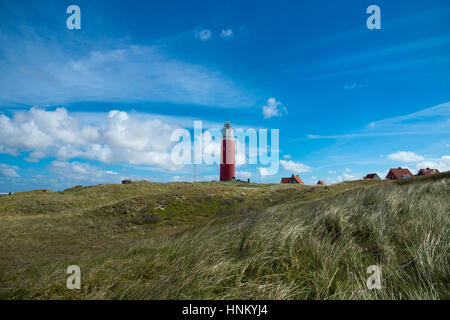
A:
x: 228, y: 241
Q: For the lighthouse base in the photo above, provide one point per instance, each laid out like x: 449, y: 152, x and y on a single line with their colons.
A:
x: 227, y: 172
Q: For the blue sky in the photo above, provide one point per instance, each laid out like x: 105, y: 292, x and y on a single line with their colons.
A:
x: 99, y: 104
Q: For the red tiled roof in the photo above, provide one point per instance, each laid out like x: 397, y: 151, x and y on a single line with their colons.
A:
x: 398, y: 173
x: 370, y: 176
x: 424, y: 172
x: 297, y: 178
x: 321, y: 182
x: 292, y: 179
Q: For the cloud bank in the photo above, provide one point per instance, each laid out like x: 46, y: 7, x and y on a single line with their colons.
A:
x: 38, y: 72
x: 296, y: 167
x: 116, y: 138
x: 405, y: 156
x: 8, y: 171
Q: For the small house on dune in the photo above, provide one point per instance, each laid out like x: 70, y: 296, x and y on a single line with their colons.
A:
x: 399, y: 173
x: 372, y: 176
x: 293, y: 179
x: 427, y: 171
x: 320, y: 182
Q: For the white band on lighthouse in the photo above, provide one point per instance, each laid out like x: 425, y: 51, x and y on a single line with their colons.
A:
x: 227, y: 131
x: 228, y: 134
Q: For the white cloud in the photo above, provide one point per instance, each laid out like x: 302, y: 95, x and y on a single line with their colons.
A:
x: 427, y: 164
x: 347, y: 176
x: 433, y: 120
x: 296, y: 167
x: 204, y: 34
x: 49, y: 74
x: 273, y: 108
x: 117, y: 137
x: 264, y: 171
x: 334, y: 180
x: 226, y: 33
x: 8, y: 171
x: 180, y: 178
x: 287, y: 156
x: 243, y: 174
x: 442, y: 164
x: 427, y: 116
x: 406, y: 156
x: 211, y: 177
x: 78, y: 172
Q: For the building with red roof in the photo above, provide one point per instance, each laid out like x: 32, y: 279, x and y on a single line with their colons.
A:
x: 372, y: 176
x: 427, y: 171
x: 293, y: 179
x: 399, y: 173
x: 321, y: 182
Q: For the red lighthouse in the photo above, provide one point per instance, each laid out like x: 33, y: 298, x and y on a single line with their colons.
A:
x: 227, y: 156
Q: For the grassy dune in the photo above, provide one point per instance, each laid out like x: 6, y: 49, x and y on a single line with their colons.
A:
x: 228, y: 240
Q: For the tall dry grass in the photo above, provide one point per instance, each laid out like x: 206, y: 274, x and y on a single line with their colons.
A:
x: 315, y: 250
x: 319, y: 250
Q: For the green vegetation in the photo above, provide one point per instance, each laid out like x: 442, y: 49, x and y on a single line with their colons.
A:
x: 228, y: 240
